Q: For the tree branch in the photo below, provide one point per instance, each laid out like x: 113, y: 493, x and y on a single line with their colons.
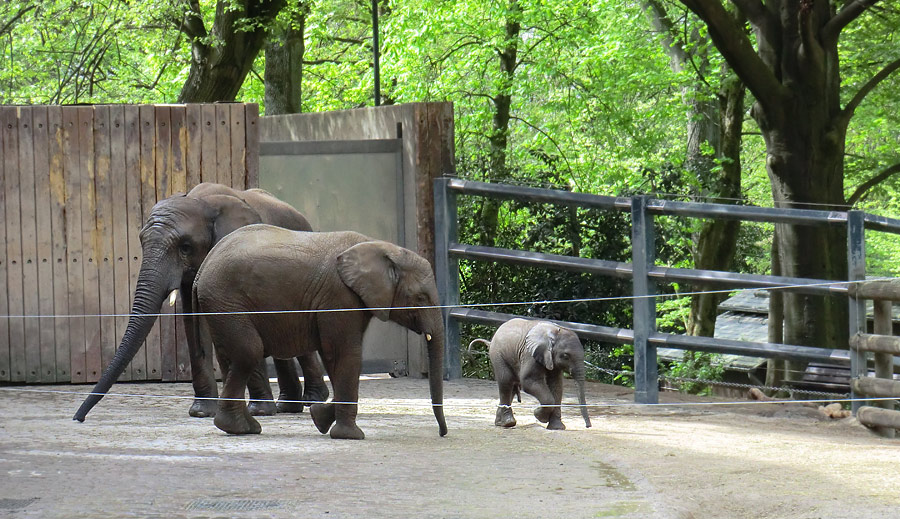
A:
x: 663, y: 25
x: 754, y: 10
x: 192, y: 22
x: 850, y: 12
x: 735, y: 47
x: 863, y: 188
x: 7, y: 27
x: 870, y: 85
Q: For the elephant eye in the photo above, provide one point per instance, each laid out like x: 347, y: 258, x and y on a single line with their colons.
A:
x: 564, y: 356
x: 186, y: 248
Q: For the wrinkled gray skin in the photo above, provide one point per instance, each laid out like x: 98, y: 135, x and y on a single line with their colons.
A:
x: 175, y: 240
x: 532, y: 355
x: 265, y: 268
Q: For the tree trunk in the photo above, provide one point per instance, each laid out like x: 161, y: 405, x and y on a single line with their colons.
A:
x: 502, y: 100
x: 284, y: 65
x: 221, y: 59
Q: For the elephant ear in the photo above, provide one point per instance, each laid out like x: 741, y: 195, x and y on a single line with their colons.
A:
x: 369, y: 270
x: 231, y: 213
x: 539, y: 342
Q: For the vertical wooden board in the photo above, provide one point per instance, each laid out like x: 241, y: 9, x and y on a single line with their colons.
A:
x: 251, y: 125
x: 72, y: 209
x: 44, y: 240
x: 178, y: 174
x: 119, y: 200
x: 5, y: 170
x: 148, y: 199
x: 91, y: 244
x: 223, y: 144
x: 193, y: 128
x: 208, y: 143
x: 105, y: 260
x: 238, y: 146
x: 30, y: 298
x: 59, y: 251
x: 168, y: 356
x: 138, y: 366
x: 13, y: 222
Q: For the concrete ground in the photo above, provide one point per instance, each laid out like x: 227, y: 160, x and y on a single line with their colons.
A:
x: 144, y: 457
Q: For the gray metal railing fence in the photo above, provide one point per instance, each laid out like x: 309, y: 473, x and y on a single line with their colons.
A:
x: 645, y: 274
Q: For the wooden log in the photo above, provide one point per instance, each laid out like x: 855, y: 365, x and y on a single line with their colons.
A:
x: 121, y: 283
x: 883, y: 289
x: 876, y: 343
x: 178, y: 181
x: 251, y: 127
x: 74, y: 239
x: 193, y: 142
x: 882, y: 420
x: 44, y: 240
x: 30, y: 295
x: 7, y: 168
x: 876, y: 387
x: 104, y: 229
x: 164, y: 184
x: 91, y: 242
x: 223, y: 144
x: 148, y: 200
x: 238, y: 146
x: 208, y: 171
x: 58, y: 244
x: 138, y: 365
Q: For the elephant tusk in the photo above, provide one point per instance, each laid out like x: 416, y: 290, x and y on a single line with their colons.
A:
x: 172, y: 297
x: 428, y: 337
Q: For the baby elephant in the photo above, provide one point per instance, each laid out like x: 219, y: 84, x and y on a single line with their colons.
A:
x: 532, y: 355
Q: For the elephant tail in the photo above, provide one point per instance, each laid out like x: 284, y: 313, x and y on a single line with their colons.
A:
x: 517, y: 388
x: 195, y: 329
x: 482, y: 341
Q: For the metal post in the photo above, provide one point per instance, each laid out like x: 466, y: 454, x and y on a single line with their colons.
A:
x: 643, y: 254
x: 856, y: 270
x: 376, y: 53
x: 447, y: 271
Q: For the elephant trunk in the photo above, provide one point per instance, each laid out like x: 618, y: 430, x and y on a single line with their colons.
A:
x: 436, y: 373
x: 578, y: 376
x: 148, y: 298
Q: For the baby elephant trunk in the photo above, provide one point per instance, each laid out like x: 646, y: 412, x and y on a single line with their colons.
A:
x: 578, y: 376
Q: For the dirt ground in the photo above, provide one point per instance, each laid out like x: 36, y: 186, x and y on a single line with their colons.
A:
x: 143, y: 457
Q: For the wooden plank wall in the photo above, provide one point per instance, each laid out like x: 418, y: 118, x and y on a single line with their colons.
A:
x: 76, y: 185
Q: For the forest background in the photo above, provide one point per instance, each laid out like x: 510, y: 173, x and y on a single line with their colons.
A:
x: 784, y: 103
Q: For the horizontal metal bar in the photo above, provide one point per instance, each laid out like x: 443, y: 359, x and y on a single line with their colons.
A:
x: 681, y: 342
x: 747, y: 213
x: 587, y: 331
x: 533, y: 194
x: 752, y: 349
x: 329, y: 147
x: 624, y: 270
x: 882, y: 223
x: 538, y: 259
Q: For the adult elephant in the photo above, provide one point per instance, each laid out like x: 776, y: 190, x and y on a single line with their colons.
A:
x: 319, y: 291
x: 175, y: 240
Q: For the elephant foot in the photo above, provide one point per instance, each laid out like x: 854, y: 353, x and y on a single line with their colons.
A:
x: 239, y: 422
x: 323, y: 416
x: 289, y: 405
x: 315, y: 392
x: 505, y: 417
x: 543, y: 414
x: 343, y: 431
x: 556, y: 425
x: 262, y: 408
x: 203, y: 408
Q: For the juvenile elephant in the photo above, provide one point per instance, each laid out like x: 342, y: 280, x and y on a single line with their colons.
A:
x: 176, y: 238
x: 531, y: 355
x: 281, y: 278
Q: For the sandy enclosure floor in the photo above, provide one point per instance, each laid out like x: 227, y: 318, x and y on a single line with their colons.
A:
x: 145, y: 457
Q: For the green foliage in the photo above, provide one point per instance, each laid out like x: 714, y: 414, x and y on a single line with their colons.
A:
x: 696, y: 365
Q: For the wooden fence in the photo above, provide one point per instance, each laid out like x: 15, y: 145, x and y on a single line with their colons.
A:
x: 76, y: 185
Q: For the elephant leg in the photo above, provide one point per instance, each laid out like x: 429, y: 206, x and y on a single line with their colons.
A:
x: 262, y: 402
x: 507, y: 385
x: 555, y: 384
x: 314, y: 387
x: 548, y: 412
x: 343, y: 341
x: 239, y: 349
x: 202, y: 374
x: 290, y: 392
